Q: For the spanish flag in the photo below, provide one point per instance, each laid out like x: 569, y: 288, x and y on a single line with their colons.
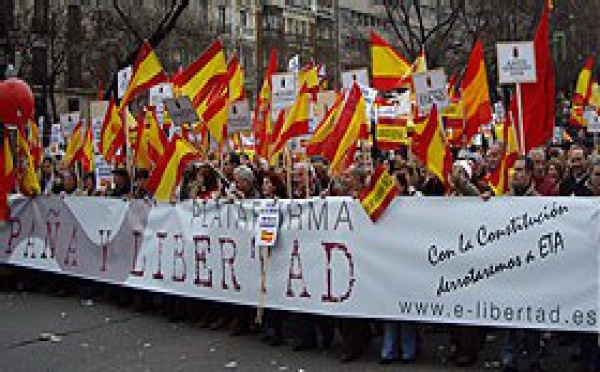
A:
x: 379, y: 193
x: 112, y: 136
x: 324, y: 129
x: 429, y: 146
x: 37, y: 150
x: 476, y: 93
x: 341, y: 144
x: 168, y: 172
x: 308, y: 78
x: 7, y: 176
x: 498, y: 179
x: 296, y: 121
x: 29, y: 183
x: 147, y: 72
x: 235, y: 75
x: 216, y: 114
x: 262, y: 112
x: 583, y: 91
x: 391, y: 132
x: 198, y: 79
x: 576, y: 118
x: 88, y: 162
x: 151, y: 140
x: 74, y: 146
x: 595, y: 98
x: 389, y: 67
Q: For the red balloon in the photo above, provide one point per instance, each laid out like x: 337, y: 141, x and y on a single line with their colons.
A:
x: 16, y: 102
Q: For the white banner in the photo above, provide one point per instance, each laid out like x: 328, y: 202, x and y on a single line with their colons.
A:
x: 532, y: 263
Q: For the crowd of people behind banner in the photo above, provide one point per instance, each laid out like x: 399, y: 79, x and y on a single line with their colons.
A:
x: 571, y: 170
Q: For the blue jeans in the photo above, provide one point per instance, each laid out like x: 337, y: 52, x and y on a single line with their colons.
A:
x: 391, y: 344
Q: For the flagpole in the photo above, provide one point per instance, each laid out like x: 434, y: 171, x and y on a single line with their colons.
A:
x: 520, y: 115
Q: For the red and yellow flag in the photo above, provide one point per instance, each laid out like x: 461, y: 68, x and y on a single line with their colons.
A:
x: 74, y: 146
x: 476, y: 93
x: 112, y: 136
x: 324, y: 129
x: 341, y: 144
x: 88, y: 161
x: 389, y: 67
x: 308, y: 78
x: 217, y: 113
x: 296, y: 122
x: 37, y: 150
x: 147, y: 72
x: 498, y: 179
x: 198, y: 79
x: 391, y: 132
x: 262, y: 112
x: 29, y: 183
x: 151, y: 140
x: 7, y: 176
x: 168, y: 172
x: 379, y: 193
x: 429, y: 146
x: 235, y: 75
x: 583, y: 91
x: 595, y: 99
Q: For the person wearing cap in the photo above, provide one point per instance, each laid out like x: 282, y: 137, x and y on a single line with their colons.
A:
x: 122, y: 183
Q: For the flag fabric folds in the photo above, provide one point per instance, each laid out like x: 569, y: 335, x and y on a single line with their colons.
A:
x: 198, y: 79
x: 538, y: 99
x: 389, y: 67
x: 112, y: 135
x: 235, y: 75
x: 476, y: 93
x: 583, y: 91
x: 29, y: 183
x: 324, y: 129
x: 151, y: 140
x: 7, y: 176
x: 498, y: 179
x: 341, y: 144
x: 262, y: 112
x: 168, y: 172
x: 74, y: 146
x: 147, y: 72
x: 296, y: 122
x: 379, y: 193
x: 88, y: 162
x: 429, y: 146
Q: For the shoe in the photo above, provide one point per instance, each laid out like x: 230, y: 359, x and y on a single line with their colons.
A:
x: 387, y: 361
x: 218, y: 324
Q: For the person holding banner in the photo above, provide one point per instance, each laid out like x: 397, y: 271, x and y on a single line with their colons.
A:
x: 122, y: 184
x: 574, y: 182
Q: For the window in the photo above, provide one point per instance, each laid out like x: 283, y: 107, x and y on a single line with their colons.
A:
x: 243, y: 18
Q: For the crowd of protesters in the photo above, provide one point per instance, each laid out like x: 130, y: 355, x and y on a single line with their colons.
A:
x: 572, y: 170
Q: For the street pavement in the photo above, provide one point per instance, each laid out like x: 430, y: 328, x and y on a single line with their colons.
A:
x: 48, y: 332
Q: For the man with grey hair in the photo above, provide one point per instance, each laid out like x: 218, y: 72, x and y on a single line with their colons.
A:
x: 574, y: 182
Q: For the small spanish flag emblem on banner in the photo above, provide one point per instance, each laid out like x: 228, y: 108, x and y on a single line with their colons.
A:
x: 379, y: 193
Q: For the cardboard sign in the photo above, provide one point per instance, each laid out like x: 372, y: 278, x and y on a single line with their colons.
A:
x: 430, y: 89
x: 284, y: 92
x: 181, y: 111
x: 123, y: 80
x: 516, y: 63
x: 268, y: 224
x: 360, y: 76
x: 239, y: 117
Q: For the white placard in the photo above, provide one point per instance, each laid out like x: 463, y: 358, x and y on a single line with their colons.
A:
x: 430, y: 89
x: 268, y: 224
x: 593, y: 120
x: 359, y: 76
x: 68, y: 122
x: 516, y: 63
x: 157, y: 96
x: 284, y: 92
x: 294, y: 64
x: 123, y: 80
x: 239, y: 117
